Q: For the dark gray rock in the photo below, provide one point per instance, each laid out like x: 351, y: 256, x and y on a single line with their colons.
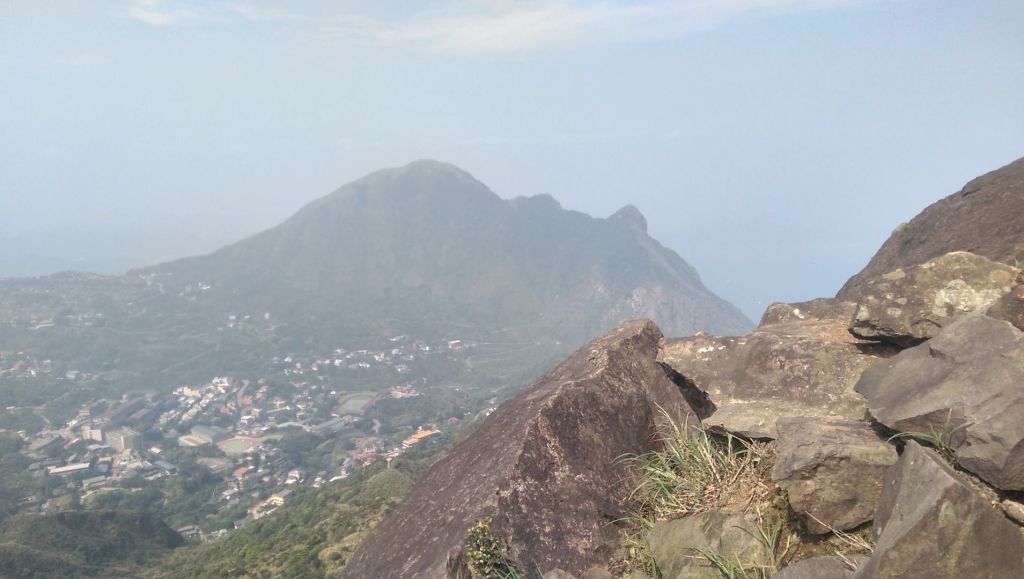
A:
x: 679, y: 545
x: 825, y: 567
x: 542, y: 467
x: 831, y: 470
x: 930, y: 523
x: 907, y: 306
x: 801, y: 361
x: 963, y: 386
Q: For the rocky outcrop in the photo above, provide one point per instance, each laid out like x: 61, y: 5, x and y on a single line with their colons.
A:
x: 908, y: 306
x: 983, y: 218
x: 542, y: 468
x: 962, y: 387
x: 681, y: 546
x: 800, y: 361
x: 931, y: 523
x: 832, y: 470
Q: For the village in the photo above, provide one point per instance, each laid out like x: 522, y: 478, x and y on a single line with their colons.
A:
x: 237, y: 436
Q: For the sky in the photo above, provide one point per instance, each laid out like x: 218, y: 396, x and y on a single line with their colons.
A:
x: 774, y: 144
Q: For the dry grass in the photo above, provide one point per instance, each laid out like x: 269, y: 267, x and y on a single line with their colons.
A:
x: 693, y: 471
x: 846, y: 544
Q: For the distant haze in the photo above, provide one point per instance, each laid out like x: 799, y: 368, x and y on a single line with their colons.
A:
x: 773, y: 144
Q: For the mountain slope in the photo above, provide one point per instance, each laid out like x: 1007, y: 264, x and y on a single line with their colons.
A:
x: 426, y: 247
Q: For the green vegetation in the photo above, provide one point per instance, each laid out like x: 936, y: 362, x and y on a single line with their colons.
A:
x: 82, y: 544
x: 23, y: 419
x: 486, y: 554
x: 179, y: 500
x: 312, y: 536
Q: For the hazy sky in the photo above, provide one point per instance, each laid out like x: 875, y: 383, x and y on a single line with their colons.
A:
x: 773, y: 143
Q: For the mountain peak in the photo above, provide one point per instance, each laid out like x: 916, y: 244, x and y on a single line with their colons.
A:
x: 430, y: 166
x: 631, y: 216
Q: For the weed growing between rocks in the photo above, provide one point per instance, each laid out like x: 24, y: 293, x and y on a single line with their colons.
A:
x: 486, y: 555
x: 846, y: 544
x: 941, y: 439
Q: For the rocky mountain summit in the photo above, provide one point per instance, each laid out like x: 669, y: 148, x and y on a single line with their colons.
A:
x: 878, y: 434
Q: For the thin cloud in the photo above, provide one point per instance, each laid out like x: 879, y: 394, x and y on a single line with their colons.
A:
x: 492, y: 26
x: 254, y: 13
x: 510, y: 27
x: 160, y: 13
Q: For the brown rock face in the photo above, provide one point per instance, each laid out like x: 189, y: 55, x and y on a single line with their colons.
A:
x: 542, y: 467
x: 908, y: 306
x: 832, y: 470
x: 801, y: 361
x: 985, y: 218
x: 931, y: 524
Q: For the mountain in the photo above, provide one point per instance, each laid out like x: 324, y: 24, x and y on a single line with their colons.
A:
x: 427, y: 248
x: 983, y: 218
x: 423, y: 250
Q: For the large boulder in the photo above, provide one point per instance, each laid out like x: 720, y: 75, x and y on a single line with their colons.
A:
x: 681, y: 546
x: 800, y: 361
x: 542, y: 468
x: 983, y: 218
x: 931, y: 523
x: 963, y: 389
x: 908, y: 306
x: 831, y: 470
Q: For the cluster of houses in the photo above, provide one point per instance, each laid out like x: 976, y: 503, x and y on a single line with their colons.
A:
x: 105, y: 443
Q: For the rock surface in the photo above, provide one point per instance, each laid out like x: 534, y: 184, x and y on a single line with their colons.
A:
x: 832, y: 471
x: 1010, y: 307
x: 542, y: 467
x: 801, y: 361
x: 931, y: 524
x: 963, y: 385
x: 679, y: 545
x: 908, y: 306
x: 826, y: 567
x: 984, y: 218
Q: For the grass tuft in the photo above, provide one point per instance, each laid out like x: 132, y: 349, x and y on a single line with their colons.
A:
x: 941, y: 439
x: 693, y: 471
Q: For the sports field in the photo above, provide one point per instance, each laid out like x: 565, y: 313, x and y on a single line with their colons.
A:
x: 356, y: 402
x: 239, y: 445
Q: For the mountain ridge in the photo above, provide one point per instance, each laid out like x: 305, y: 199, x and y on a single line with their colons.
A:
x: 429, y: 233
